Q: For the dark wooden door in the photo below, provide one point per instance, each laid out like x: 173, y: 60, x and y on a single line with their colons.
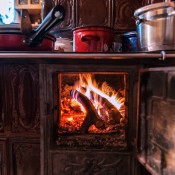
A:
x: 19, y: 119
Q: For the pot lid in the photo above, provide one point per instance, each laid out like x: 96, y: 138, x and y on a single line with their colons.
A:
x: 129, y: 34
x: 151, y: 7
x: 12, y: 25
x: 9, y: 28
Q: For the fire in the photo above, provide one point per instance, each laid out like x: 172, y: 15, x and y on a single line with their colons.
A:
x: 88, y: 83
x: 92, y: 106
x: 70, y: 119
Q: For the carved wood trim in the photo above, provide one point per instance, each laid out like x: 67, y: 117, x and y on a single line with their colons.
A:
x: 93, y: 13
x: 3, y: 158
x: 22, y: 98
x: 2, y: 124
x: 69, y: 21
x: 25, y: 158
x: 124, y: 12
x: 72, y: 163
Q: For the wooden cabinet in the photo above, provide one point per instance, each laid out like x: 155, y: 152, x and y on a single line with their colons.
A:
x: 21, y: 99
x: 28, y: 4
x: 19, y: 119
x: 3, y: 157
x: 25, y: 157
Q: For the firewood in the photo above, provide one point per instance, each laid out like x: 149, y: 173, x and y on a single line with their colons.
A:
x: 92, y: 117
x: 114, y: 114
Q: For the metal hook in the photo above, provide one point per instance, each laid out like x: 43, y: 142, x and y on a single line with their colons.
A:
x: 163, y: 53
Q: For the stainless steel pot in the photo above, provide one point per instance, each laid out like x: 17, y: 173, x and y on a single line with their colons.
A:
x: 156, y: 27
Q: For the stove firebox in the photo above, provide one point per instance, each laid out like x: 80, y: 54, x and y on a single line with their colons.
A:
x: 93, y: 125
x: 94, y: 104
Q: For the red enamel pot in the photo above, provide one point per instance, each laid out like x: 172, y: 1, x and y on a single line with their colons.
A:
x: 12, y: 39
x: 15, y: 41
x: 92, y: 39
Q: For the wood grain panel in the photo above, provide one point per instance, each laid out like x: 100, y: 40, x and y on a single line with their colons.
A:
x: 25, y: 158
x: 3, y: 158
x: 93, y: 13
x: 90, y: 163
x: 124, y: 12
x: 69, y: 21
x: 22, y: 98
x: 1, y: 100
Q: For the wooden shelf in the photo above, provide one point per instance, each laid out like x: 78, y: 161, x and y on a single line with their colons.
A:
x: 28, y: 5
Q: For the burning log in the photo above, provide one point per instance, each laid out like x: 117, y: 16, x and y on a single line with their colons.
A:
x: 114, y: 114
x: 92, y: 116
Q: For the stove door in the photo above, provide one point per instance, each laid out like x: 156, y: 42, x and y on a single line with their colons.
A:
x: 156, y: 139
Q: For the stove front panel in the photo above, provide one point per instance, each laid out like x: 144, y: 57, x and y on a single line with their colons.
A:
x: 87, y: 133
x: 93, y: 110
x: 157, y: 120
x: 90, y: 163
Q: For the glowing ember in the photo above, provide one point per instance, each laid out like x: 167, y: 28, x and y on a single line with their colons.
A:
x: 91, y: 106
x: 70, y: 119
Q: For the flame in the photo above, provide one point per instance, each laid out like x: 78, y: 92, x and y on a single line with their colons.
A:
x: 70, y: 119
x: 87, y: 81
x: 73, y: 112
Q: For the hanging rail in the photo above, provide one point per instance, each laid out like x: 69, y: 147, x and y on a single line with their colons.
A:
x: 114, y: 56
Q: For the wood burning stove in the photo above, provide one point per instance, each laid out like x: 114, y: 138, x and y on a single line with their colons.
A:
x: 93, y: 122
x: 95, y: 104
x: 74, y: 142
x: 148, y: 81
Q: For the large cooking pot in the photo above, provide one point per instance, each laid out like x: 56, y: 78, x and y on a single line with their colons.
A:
x: 92, y: 39
x: 156, y: 27
x: 13, y: 39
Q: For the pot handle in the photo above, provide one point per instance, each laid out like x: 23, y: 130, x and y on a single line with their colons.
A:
x: 88, y: 38
x: 91, y: 40
x: 55, y: 16
x: 172, y: 13
x: 140, y: 20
